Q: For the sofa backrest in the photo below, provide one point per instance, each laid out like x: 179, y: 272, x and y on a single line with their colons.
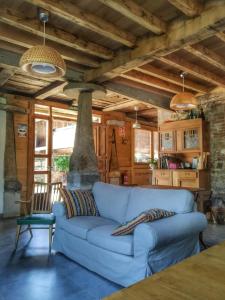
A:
x: 141, y: 199
x: 111, y: 200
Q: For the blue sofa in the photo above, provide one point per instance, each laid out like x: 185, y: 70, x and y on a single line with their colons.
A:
x: 128, y: 259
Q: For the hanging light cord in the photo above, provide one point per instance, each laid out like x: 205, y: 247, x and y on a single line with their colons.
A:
x: 44, y: 32
x: 182, y: 75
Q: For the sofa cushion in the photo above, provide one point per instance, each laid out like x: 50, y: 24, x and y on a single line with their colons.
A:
x: 101, y: 236
x: 178, y: 201
x: 144, y: 217
x: 79, y: 226
x: 79, y: 203
x: 111, y: 200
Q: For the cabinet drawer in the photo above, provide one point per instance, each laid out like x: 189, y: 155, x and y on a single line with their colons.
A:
x: 189, y: 183
x: 186, y: 175
x: 162, y: 174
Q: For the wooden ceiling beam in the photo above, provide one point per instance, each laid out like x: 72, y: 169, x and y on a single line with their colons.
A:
x: 138, y: 76
x: 54, y: 34
x: 26, y: 40
x: 170, y: 77
x: 5, y: 75
x: 143, y: 86
x: 193, y: 69
x: 50, y: 90
x: 221, y: 36
x: 207, y: 55
x: 135, y: 93
x: 138, y: 14
x: 72, y: 13
x: 191, y: 8
x: 179, y: 34
x: 121, y: 105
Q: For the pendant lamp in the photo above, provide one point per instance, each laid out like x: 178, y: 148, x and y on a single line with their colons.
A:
x: 41, y: 60
x: 136, y: 125
x: 184, y: 100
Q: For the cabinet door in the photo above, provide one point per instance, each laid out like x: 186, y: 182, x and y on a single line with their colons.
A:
x: 167, y: 141
x: 191, y: 139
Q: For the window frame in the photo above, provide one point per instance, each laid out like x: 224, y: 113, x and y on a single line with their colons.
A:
x: 143, y: 127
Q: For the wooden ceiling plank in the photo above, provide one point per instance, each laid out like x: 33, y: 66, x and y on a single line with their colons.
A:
x: 5, y: 75
x: 8, y: 34
x: 179, y: 34
x: 191, y: 8
x: 121, y: 105
x: 152, y: 81
x: 50, y: 90
x: 72, y: 13
x: 54, y: 34
x: 193, y: 69
x: 138, y: 14
x: 207, y: 55
x: 170, y: 77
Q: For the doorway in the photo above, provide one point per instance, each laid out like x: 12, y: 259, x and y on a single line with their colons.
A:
x: 54, y: 135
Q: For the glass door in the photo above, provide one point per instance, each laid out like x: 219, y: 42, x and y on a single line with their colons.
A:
x: 42, y: 146
x: 63, y: 134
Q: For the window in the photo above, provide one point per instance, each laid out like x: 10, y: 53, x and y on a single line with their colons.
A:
x: 145, y: 145
x: 142, y: 145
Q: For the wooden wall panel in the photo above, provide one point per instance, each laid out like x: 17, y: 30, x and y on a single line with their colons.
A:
x: 21, y: 145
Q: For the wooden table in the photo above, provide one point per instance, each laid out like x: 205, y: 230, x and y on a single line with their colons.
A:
x: 200, y: 277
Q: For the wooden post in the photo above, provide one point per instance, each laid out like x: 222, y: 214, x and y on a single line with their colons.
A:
x: 12, y: 186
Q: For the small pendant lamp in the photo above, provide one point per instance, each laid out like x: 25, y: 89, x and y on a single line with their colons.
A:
x: 41, y: 60
x: 184, y: 100
x: 136, y: 125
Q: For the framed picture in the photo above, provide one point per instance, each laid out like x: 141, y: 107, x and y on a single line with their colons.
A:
x: 22, y: 130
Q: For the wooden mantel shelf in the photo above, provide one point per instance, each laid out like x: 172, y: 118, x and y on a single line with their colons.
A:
x: 199, y: 277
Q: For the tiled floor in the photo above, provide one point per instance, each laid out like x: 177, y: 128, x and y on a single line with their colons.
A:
x: 32, y: 274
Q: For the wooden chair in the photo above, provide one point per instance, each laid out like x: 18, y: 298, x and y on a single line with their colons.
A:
x: 43, y: 196
x: 54, y: 190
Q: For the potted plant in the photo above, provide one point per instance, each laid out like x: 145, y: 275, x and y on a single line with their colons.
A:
x: 61, y: 164
x: 153, y: 163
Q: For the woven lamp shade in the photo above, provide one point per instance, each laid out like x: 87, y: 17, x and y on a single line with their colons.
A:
x: 42, y: 56
x: 183, y: 101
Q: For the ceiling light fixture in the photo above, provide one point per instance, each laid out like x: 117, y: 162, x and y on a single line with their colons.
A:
x: 184, y: 100
x: 136, y: 125
x: 41, y: 60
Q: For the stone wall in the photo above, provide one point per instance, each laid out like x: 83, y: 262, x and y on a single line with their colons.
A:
x: 215, y: 115
x: 2, y: 150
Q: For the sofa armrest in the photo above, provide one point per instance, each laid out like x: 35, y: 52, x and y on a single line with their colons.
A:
x: 59, y: 209
x: 148, y: 236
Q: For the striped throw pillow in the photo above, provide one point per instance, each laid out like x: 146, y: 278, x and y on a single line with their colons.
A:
x: 79, y: 203
x: 144, y: 217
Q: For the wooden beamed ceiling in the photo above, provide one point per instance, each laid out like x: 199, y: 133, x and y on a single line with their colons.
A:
x: 134, y: 48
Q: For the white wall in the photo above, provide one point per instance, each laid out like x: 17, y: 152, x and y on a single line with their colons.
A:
x: 2, y: 150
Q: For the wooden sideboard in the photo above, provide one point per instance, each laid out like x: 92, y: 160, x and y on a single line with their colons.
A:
x: 183, y: 141
x: 199, y: 277
x: 181, y: 178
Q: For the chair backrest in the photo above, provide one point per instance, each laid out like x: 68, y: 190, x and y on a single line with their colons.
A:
x: 55, y: 191
x: 40, y: 200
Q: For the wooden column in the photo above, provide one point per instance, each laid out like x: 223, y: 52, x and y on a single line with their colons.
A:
x: 83, y: 170
x: 12, y: 186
